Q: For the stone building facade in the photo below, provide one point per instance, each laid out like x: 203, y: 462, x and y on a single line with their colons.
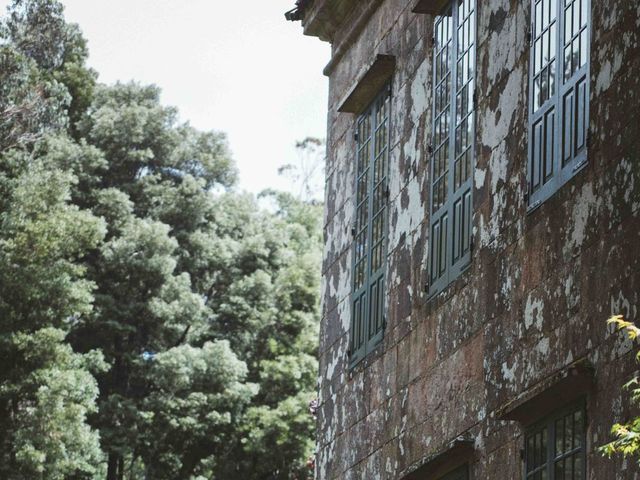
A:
x: 496, y: 216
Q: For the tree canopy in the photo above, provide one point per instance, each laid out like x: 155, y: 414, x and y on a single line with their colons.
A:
x: 154, y: 321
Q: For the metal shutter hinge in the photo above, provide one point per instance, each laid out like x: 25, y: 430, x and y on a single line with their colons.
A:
x: 356, y: 136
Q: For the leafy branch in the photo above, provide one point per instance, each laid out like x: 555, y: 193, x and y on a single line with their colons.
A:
x: 627, y: 435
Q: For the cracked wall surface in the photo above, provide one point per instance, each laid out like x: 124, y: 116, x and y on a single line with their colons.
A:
x: 540, y: 286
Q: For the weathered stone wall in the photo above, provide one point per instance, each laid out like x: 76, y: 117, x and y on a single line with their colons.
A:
x: 540, y: 286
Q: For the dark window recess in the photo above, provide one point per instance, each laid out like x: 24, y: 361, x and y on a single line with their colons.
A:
x: 452, y: 149
x: 559, y: 94
x: 555, y: 448
x: 459, y: 474
x: 370, y: 228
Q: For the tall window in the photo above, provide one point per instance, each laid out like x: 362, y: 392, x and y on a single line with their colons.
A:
x: 452, y: 147
x: 559, y: 94
x: 555, y: 448
x: 370, y: 228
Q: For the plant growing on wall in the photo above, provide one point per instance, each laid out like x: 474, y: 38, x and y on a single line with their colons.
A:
x: 627, y: 435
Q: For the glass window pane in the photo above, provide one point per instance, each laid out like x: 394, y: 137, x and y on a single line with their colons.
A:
x: 538, y: 19
x: 559, y: 471
x: 553, y: 10
x: 552, y: 42
x: 559, y: 431
x: 568, y: 29
x: 584, y: 47
x: 567, y: 63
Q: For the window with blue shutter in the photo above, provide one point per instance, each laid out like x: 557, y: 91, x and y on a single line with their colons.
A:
x: 452, y: 148
x: 559, y: 95
x: 370, y: 228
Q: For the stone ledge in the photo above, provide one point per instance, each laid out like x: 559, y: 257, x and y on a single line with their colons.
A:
x: 368, y: 83
x: 431, y: 7
x: 556, y: 391
x: 454, y: 455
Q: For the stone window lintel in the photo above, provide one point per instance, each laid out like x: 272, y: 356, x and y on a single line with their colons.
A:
x: 430, y: 7
x: 454, y: 455
x: 368, y: 83
x: 565, y: 387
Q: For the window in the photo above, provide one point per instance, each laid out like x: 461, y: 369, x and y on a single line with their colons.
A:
x: 370, y: 228
x: 459, y: 474
x: 452, y: 146
x: 559, y: 95
x: 555, y: 448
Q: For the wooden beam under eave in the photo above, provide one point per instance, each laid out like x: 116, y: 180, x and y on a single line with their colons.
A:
x: 431, y: 7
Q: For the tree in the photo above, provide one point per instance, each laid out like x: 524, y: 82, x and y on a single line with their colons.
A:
x: 269, y: 312
x: 155, y: 323
x: 627, y: 435
x: 46, y: 390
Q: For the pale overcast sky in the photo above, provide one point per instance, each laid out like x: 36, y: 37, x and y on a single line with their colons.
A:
x: 234, y: 66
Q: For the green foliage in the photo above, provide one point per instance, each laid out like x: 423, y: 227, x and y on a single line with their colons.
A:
x: 155, y: 323
x: 627, y: 435
x: 46, y: 390
x: 51, y: 438
x: 198, y: 397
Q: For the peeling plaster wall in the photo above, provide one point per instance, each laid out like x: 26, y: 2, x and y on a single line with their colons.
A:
x: 540, y: 286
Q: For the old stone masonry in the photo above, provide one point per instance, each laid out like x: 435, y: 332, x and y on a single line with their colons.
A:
x: 482, y: 223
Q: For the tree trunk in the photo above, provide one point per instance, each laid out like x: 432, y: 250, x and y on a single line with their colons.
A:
x: 121, y: 468
x: 112, y: 469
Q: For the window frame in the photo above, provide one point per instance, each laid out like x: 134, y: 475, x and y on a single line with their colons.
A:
x: 376, y: 277
x: 446, y: 212
x: 549, y: 423
x: 563, y: 169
